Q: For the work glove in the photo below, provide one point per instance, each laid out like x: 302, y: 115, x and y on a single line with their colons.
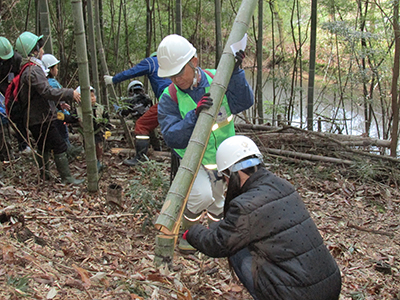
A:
x: 124, y: 112
x: 205, y: 102
x: 60, y: 116
x: 71, y: 119
x: 107, y: 134
x: 108, y: 79
x: 239, y: 56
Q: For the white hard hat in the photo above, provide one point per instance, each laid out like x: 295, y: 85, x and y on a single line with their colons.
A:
x: 234, y: 149
x: 78, y: 89
x: 49, y: 60
x: 173, y: 53
x: 134, y: 85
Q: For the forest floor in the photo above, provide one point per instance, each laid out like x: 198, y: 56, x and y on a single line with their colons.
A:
x: 62, y: 242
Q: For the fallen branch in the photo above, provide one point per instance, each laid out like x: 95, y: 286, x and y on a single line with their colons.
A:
x: 384, y: 157
x: 389, y: 234
x: 79, y: 217
x: 308, y: 156
x: 256, y: 127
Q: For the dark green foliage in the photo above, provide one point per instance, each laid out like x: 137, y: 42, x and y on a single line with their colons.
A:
x: 20, y: 286
x: 147, y: 191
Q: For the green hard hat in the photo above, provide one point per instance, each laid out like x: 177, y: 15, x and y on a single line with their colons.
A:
x: 26, y: 42
x: 6, y: 50
x: 153, y: 54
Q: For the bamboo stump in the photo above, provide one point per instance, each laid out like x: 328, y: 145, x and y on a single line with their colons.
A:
x: 164, y: 250
x: 114, y: 195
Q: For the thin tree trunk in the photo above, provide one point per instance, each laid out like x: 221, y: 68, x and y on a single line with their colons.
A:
x: 395, y: 78
x: 44, y: 28
x: 28, y: 9
x: 339, y: 79
x: 218, y: 31
x: 90, y: 148
x: 100, y: 48
x: 117, y: 42
x: 279, y: 22
x: 126, y: 30
x: 300, y: 53
x: 273, y: 63
x: 363, y: 64
x: 149, y: 35
x: 93, y: 50
x: 260, y: 106
x: 294, y: 72
x: 311, y: 73
x: 178, y: 17
x: 149, y: 27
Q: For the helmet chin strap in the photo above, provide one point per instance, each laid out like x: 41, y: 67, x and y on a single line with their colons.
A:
x: 196, y: 75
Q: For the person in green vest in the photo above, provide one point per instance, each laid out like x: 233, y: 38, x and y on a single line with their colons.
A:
x: 178, y: 110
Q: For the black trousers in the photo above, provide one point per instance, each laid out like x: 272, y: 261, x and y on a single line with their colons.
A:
x: 48, y: 135
x: 5, y: 149
x: 22, y: 135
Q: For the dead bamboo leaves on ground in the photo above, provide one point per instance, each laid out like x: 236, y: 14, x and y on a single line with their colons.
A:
x: 92, y: 251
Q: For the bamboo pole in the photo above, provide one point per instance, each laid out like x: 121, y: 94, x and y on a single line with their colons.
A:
x: 168, y: 221
x: 93, y: 50
x: 84, y: 82
x: 45, y: 29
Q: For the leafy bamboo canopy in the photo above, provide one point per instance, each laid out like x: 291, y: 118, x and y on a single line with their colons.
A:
x: 171, y: 213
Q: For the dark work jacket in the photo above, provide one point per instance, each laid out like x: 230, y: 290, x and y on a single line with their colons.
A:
x: 290, y: 260
x: 8, y: 70
x: 38, y: 98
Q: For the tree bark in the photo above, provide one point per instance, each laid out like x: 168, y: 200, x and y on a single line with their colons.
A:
x: 311, y: 74
x: 178, y: 17
x: 88, y: 133
x: 44, y: 28
x: 93, y: 50
x: 260, y: 100
x: 395, y: 78
x: 218, y: 32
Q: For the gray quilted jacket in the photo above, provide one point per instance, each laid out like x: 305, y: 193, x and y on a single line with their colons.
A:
x: 290, y: 260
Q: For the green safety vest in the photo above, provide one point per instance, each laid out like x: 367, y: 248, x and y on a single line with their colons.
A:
x: 221, y: 130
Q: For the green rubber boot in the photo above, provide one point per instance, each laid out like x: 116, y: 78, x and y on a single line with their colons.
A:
x: 73, y: 151
x: 1, y: 169
x: 62, y: 165
x: 188, y: 220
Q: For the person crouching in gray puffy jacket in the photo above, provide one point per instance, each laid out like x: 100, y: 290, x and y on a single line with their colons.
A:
x: 271, y: 242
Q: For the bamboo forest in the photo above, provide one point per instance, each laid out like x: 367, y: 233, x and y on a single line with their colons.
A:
x: 96, y: 200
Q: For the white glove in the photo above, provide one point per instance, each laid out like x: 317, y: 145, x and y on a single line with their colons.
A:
x: 108, y: 79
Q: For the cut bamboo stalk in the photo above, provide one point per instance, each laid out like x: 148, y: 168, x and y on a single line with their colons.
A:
x: 168, y: 221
